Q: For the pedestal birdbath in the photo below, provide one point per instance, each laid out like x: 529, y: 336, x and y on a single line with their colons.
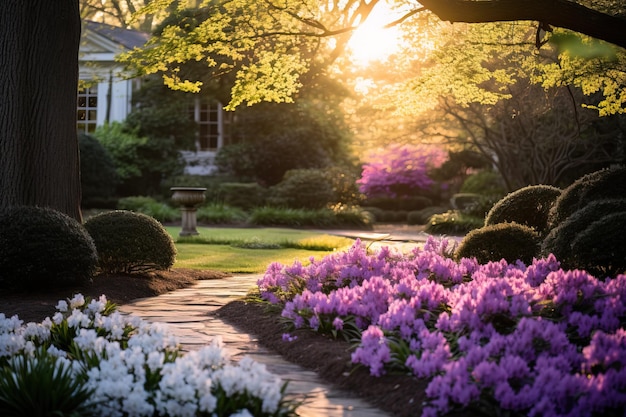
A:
x: 188, y: 198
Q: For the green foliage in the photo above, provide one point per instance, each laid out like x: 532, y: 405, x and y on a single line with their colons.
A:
x: 141, y: 162
x: 423, y: 216
x: 237, y: 159
x: 452, y: 222
x: 242, y: 195
x: 42, y: 386
x: 322, y: 218
x: 602, y: 184
x: 529, y: 206
x: 159, y: 112
x: 217, y: 213
x: 130, y: 242
x: 560, y: 240
x: 509, y: 241
x: 407, y: 203
x: 375, y: 213
x: 150, y: 207
x: 275, y: 138
x: 601, y: 248
x: 302, y: 188
x: 461, y: 201
x: 42, y: 248
x: 485, y: 182
x: 98, y: 177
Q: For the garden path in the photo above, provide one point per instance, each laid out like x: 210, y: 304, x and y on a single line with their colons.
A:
x: 186, y: 311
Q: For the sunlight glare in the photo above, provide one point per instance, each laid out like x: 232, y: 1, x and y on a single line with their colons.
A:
x: 372, y: 41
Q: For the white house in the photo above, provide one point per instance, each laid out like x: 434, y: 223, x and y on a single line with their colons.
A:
x: 105, y: 93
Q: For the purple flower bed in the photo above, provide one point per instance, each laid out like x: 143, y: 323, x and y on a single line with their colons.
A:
x: 502, y: 338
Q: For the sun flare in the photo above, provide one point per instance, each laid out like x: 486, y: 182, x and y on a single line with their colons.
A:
x: 372, y: 41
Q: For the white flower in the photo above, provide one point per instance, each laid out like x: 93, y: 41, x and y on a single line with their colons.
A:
x: 9, y: 325
x: 57, y: 318
x: 61, y: 306
x: 242, y: 413
x: 77, y: 301
x: 11, y: 344
x: 78, y: 319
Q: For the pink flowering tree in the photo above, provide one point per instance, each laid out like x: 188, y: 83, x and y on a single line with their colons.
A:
x: 400, y: 170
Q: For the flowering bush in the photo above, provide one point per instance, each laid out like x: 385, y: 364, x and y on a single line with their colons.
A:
x: 92, y: 360
x: 399, y: 171
x: 504, y: 338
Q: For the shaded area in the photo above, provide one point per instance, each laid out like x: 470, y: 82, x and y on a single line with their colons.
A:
x: 399, y: 394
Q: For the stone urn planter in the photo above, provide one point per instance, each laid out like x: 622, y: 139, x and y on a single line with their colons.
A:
x: 189, y: 198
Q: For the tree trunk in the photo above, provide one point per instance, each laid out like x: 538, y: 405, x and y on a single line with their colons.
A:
x: 39, y: 161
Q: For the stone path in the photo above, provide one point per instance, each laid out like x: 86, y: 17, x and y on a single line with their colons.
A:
x: 186, y: 311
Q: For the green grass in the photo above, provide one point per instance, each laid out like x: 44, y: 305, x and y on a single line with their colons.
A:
x: 251, y: 250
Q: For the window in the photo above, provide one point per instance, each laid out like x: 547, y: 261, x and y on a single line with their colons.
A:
x: 213, y: 125
x: 87, y: 109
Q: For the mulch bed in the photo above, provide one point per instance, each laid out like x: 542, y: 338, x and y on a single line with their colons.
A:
x: 400, y: 395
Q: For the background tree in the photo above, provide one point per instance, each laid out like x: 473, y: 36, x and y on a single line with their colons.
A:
x: 271, y: 45
x: 400, y: 171
x: 39, y: 163
x: 120, y: 13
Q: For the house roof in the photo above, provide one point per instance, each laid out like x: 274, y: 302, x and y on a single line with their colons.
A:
x: 127, y: 38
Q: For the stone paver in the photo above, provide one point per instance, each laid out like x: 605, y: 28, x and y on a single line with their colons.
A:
x: 186, y: 312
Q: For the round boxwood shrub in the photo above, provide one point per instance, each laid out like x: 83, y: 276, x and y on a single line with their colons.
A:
x: 529, y: 206
x: 43, y: 248
x: 302, y: 188
x: 509, y: 241
x: 130, y: 242
x: 598, y: 185
x: 600, y: 248
x: 560, y: 239
x: 423, y: 216
x: 485, y: 183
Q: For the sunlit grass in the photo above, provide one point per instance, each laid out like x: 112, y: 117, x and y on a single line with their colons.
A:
x: 242, y: 250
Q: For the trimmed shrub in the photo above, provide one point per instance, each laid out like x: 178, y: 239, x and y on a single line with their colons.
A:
x: 452, y: 222
x: 529, y: 206
x: 150, y: 207
x: 243, y: 195
x: 338, y: 217
x: 560, y: 239
x: 600, y: 248
x: 130, y: 242
x: 376, y: 214
x: 216, y: 213
x: 98, y: 177
x: 463, y: 200
x: 487, y: 183
x: 397, y: 203
x: 598, y: 185
x: 509, y: 241
x: 43, y: 248
x: 302, y: 188
x: 423, y: 216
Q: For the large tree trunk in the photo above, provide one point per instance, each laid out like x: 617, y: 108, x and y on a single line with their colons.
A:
x: 39, y: 161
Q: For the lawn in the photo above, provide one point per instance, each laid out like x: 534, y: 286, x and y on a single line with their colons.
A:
x: 251, y: 250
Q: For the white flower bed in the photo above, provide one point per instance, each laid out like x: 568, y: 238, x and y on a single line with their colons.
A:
x: 130, y: 367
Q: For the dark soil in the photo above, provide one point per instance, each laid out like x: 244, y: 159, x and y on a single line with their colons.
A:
x: 401, y: 396
x: 120, y: 289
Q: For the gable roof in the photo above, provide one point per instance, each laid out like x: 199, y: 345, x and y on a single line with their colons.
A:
x: 127, y: 38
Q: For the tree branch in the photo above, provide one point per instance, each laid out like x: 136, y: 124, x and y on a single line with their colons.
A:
x: 561, y: 13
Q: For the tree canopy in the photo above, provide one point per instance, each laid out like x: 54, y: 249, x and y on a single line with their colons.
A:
x: 272, y: 46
